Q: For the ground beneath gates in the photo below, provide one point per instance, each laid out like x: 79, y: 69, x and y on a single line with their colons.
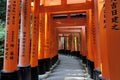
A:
x: 69, y: 68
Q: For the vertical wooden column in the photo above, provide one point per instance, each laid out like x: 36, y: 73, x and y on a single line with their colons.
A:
x: 72, y: 42
x: 78, y: 41
x: 100, y: 24
x: 77, y: 45
x: 60, y: 43
x: 11, y: 41
x: 55, y: 47
x: 99, y: 41
x: 64, y: 42
x: 47, y: 42
x: 41, y: 35
x: 24, y: 49
x: 112, y: 8
x: 34, y: 41
x: 75, y: 42
x: 41, y: 61
x: 89, y: 36
x: 73, y: 45
x: 90, y: 44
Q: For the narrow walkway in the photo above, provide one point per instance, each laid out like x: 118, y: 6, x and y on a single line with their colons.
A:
x: 69, y: 68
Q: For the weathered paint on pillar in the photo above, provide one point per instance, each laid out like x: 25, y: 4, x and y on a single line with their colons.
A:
x: 90, y: 55
x: 60, y: 42
x: 47, y: 38
x: 35, y: 29
x: 41, y: 35
x: 11, y: 36
x: 24, y: 50
x: 101, y: 37
x: 75, y: 41
x: 112, y: 8
x: 72, y: 42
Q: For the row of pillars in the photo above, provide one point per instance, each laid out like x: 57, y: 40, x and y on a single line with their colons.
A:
x: 33, y: 52
x: 103, y: 35
x: 69, y: 42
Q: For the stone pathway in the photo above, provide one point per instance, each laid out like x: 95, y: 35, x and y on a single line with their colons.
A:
x: 69, y: 68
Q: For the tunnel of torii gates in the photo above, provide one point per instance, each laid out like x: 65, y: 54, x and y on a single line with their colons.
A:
x: 93, y: 36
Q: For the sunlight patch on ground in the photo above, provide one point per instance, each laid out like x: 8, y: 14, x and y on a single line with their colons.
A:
x: 75, y: 78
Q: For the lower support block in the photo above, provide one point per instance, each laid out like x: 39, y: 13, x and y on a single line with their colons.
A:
x: 34, y: 73
x: 97, y: 72
x: 90, y: 65
x: 47, y: 64
x: 10, y: 75
x: 41, y: 66
x: 84, y: 59
x: 25, y: 73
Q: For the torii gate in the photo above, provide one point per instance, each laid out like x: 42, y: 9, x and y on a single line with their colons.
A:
x: 102, y: 42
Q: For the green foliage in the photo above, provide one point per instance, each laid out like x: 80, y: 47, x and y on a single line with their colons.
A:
x: 2, y: 24
x: 2, y: 35
x: 2, y: 9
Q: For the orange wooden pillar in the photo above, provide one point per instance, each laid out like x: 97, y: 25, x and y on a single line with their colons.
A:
x: 60, y: 42
x: 96, y: 36
x: 83, y: 41
x: 72, y: 42
x: 60, y: 39
x: 68, y: 45
x: 24, y: 49
x: 77, y: 45
x: 41, y: 62
x: 90, y: 51
x: 47, y: 42
x: 73, y: 45
x: 89, y: 36
x: 112, y: 14
x: 34, y: 41
x: 10, y: 71
x: 41, y: 35
x: 101, y: 57
x: 54, y: 49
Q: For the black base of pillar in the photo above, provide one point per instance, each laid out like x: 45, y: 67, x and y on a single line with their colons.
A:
x: 25, y: 73
x: 1, y: 63
x: 84, y: 59
x: 44, y: 65
x: 47, y: 64
x: 34, y: 73
x: 77, y: 53
x: 61, y: 51
x: 97, y: 72
x: 101, y: 78
x: 67, y: 52
x: 54, y: 59
x: 10, y: 76
x: 72, y: 53
x: 90, y: 65
x: 41, y: 66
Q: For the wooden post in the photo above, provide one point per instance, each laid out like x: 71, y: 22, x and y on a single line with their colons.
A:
x: 101, y: 38
x: 41, y: 36
x: 47, y: 42
x: 41, y: 62
x: 34, y: 41
x: 112, y: 8
x: 10, y: 71
x: 24, y: 50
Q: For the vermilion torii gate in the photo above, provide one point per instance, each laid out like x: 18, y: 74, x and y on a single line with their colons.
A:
x: 37, y: 48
